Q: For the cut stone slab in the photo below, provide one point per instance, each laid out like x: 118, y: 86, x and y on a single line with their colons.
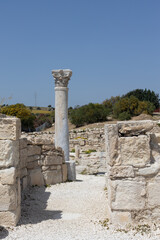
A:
x: 34, y: 150
x: 154, y: 193
x: 127, y: 195
x: 135, y: 128
x: 64, y: 171
x: 10, y: 128
x: 121, y: 172
x: 134, y: 151
x: 8, y: 197
x: 53, y: 177
x: 111, y: 136
x: 9, y: 153
x: 8, y: 176
x: 10, y: 218
x: 36, y: 177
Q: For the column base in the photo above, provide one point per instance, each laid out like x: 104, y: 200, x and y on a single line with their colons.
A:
x: 71, y: 170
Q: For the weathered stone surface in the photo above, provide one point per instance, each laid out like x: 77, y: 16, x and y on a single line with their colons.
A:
x: 135, y: 128
x: 134, y: 150
x: 49, y: 147
x: 111, y: 136
x: 151, y: 170
x: 23, y: 154
x: 64, y: 172
x: 34, y: 150
x: 121, y: 172
x: 126, y: 195
x: 23, y: 143
x: 8, y: 197
x: 10, y: 218
x: 33, y: 158
x: 10, y: 128
x: 8, y: 176
x: 51, y: 160
x: 24, y: 183
x: 53, y: 177
x: 32, y: 165
x: 154, y: 193
x: 121, y: 218
x: 9, y: 153
x: 36, y: 177
x: 23, y: 172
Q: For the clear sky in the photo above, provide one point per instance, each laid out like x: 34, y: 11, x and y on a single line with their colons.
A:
x: 112, y: 47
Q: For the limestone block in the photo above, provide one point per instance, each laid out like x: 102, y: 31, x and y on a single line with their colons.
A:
x: 23, y: 172
x: 49, y: 147
x: 34, y: 150
x: 64, y: 172
x: 82, y: 143
x: 135, y: 150
x: 158, y: 137
x: 9, y: 153
x: 154, y: 193
x: 8, y: 176
x: 23, y: 154
x: 23, y: 143
x: 8, y: 197
x: 10, y: 218
x: 120, y: 172
x: 36, y: 177
x: 32, y: 165
x: 71, y: 170
x: 18, y: 192
x: 10, y: 128
x: 53, y: 177
x: 33, y: 158
x: 41, y: 140
x: 127, y: 195
x: 135, y: 128
x: 51, y: 160
x: 24, y: 183
x: 111, y: 136
x: 121, y: 218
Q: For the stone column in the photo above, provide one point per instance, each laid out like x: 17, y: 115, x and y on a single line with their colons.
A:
x: 61, y: 116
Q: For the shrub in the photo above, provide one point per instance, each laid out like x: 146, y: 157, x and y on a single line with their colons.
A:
x: 124, y: 116
x: 20, y: 111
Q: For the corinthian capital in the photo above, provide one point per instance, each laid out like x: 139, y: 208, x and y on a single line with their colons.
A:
x: 61, y: 77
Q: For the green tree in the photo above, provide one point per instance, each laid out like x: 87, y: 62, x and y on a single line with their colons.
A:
x: 144, y: 95
x: 22, y: 112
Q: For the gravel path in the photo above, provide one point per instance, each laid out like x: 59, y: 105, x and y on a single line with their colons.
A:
x: 68, y: 211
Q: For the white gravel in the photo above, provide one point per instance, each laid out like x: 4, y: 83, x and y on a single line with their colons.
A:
x: 68, y: 211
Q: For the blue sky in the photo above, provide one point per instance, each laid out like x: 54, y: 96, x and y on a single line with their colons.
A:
x: 112, y: 47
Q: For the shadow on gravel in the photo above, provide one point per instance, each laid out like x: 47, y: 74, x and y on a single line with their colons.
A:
x: 3, y: 232
x: 33, y: 207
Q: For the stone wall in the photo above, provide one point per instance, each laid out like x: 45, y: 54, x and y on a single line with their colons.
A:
x: 10, y: 193
x: 133, y: 172
x: 87, y: 138
x: 25, y: 162
x: 40, y: 162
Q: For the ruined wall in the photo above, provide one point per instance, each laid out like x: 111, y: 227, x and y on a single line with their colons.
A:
x: 25, y: 162
x: 10, y: 194
x: 87, y: 138
x: 133, y: 172
x: 41, y: 163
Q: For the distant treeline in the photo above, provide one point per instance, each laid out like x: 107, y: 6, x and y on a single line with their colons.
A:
x: 122, y: 108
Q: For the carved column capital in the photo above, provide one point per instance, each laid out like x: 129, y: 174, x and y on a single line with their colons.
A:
x: 61, y: 77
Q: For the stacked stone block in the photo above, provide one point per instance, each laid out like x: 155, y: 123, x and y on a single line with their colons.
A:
x: 133, y: 172
x: 87, y: 138
x: 44, y: 164
x: 10, y: 192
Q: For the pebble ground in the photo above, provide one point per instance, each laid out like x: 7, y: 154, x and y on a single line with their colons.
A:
x: 69, y: 211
